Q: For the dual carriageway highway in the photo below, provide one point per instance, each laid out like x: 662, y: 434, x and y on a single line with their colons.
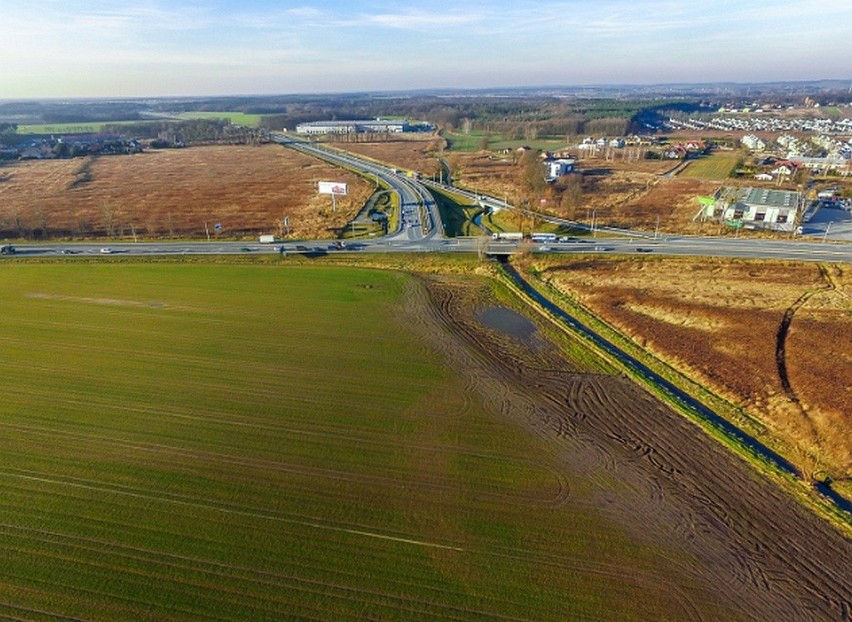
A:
x: 420, y: 230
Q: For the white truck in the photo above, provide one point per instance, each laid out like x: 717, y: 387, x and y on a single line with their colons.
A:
x: 266, y: 239
x: 515, y: 236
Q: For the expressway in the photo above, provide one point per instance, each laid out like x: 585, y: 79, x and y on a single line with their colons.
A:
x: 410, y: 238
x: 419, y: 219
x: 420, y: 230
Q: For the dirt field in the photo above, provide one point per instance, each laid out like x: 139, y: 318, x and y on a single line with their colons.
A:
x: 739, y: 548
x: 771, y: 337
x: 173, y: 193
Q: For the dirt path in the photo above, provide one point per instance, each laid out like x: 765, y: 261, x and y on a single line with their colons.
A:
x: 748, y: 545
x: 781, y: 350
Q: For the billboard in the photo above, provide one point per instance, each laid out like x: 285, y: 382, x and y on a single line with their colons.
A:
x: 332, y: 187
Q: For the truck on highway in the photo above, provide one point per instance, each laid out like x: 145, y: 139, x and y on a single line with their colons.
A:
x: 543, y: 237
x: 266, y: 239
x: 515, y: 236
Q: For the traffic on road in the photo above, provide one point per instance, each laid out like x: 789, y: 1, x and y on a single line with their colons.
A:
x: 420, y: 230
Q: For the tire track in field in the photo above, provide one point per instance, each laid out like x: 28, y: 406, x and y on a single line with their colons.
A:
x: 31, y: 611
x: 634, y: 428
x: 524, y: 397
x: 221, y: 569
x: 781, y: 349
x: 576, y: 563
x: 432, y: 310
x: 221, y: 507
x: 689, y: 487
x: 424, y: 484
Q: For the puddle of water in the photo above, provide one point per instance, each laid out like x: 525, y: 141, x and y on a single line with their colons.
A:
x: 509, y: 323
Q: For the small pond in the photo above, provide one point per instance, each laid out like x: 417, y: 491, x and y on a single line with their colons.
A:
x: 509, y: 323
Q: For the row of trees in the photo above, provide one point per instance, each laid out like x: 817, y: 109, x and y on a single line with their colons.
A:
x: 189, y: 132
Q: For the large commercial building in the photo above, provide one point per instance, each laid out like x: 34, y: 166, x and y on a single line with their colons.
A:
x: 754, y: 208
x: 356, y: 127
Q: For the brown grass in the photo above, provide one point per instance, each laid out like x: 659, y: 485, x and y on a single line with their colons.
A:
x: 621, y: 192
x: 416, y: 153
x: 173, y: 193
x: 719, y: 320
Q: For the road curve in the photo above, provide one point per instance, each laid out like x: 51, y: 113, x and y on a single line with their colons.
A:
x: 420, y: 230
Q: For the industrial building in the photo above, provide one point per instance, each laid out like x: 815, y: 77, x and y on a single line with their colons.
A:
x: 754, y: 208
x: 355, y: 127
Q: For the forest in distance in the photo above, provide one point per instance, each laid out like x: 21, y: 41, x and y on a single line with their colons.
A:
x: 553, y: 110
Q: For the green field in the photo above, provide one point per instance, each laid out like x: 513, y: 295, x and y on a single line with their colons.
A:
x: 473, y: 141
x: 717, y: 166
x: 70, y: 128
x: 265, y: 442
x: 237, y: 118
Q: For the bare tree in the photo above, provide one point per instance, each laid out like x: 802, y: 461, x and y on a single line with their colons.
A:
x: 532, y: 181
x: 572, y: 195
x: 110, y: 214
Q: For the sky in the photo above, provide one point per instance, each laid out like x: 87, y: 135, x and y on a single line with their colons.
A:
x: 154, y: 48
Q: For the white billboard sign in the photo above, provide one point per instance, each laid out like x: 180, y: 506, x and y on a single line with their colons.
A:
x: 332, y: 187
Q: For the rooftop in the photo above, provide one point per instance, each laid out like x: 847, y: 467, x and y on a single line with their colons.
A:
x: 762, y: 196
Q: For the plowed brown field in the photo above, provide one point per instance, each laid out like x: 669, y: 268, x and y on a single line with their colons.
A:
x: 173, y: 193
x: 771, y: 337
x: 740, y: 548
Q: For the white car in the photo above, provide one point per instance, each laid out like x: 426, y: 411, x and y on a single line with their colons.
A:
x: 106, y: 250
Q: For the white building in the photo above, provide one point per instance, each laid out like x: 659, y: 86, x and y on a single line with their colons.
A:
x: 753, y: 142
x: 559, y: 167
x: 755, y: 208
x: 354, y: 127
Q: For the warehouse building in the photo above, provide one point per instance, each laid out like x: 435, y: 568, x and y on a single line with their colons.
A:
x: 754, y: 208
x: 355, y: 127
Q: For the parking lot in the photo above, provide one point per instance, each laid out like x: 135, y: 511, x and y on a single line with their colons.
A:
x: 830, y: 223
